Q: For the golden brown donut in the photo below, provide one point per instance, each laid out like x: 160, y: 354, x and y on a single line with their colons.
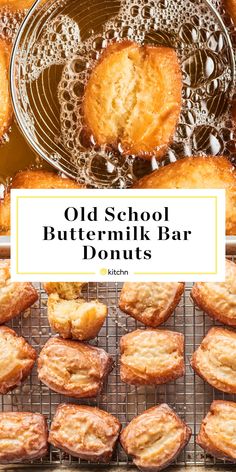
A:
x: 73, y: 368
x: 85, y: 432
x: 133, y: 98
x: 155, y: 438
x: 5, y: 215
x: 15, y: 297
x: 151, y: 357
x: 66, y: 290
x: 230, y: 6
x: 31, y: 179
x: 23, y: 436
x: 76, y: 319
x: 215, y: 359
x: 218, y: 299
x: 150, y: 302
x: 218, y: 430
x: 17, y: 359
x: 16, y: 5
x: 198, y: 172
x: 6, y: 112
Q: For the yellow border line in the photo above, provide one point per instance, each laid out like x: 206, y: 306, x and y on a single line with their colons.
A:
x: 117, y: 196
x: 173, y: 273
x: 123, y: 197
x: 57, y: 273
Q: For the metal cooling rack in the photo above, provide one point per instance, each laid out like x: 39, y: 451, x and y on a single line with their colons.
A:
x: 189, y: 396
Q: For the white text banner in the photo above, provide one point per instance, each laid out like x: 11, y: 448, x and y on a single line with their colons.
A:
x: 118, y: 235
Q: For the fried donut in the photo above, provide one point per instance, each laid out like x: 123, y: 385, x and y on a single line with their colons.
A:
x: 17, y: 359
x: 230, y: 6
x: 31, y: 179
x: 76, y: 319
x: 65, y: 290
x: 133, y: 98
x: 152, y: 303
x: 151, y: 357
x: 218, y: 299
x: 215, y: 359
x: 155, y: 438
x: 218, y: 430
x: 198, y: 172
x: 85, y: 432
x: 15, y: 297
x: 23, y: 436
x: 73, y: 368
x: 16, y: 5
x: 6, y: 112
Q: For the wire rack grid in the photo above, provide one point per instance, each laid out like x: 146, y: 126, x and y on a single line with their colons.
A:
x: 189, y: 396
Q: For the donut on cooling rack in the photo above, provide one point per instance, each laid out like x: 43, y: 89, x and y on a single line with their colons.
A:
x: 218, y: 430
x: 155, y: 438
x: 85, y: 432
x: 65, y: 290
x: 150, y: 302
x: 76, y: 319
x: 15, y: 297
x: 198, y: 172
x: 132, y: 100
x: 218, y: 299
x: 17, y: 359
x: 23, y: 436
x: 151, y: 357
x: 35, y: 179
x: 73, y: 368
x: 215, y: 359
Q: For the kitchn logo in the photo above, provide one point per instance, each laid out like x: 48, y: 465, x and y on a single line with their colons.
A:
x: 104, y: 271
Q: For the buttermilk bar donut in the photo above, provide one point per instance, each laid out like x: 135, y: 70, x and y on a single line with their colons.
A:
x: 15, y: 297
x: 23, y: 436
x: 152, y: 303
x: 215, y: 359
x: 218, y: 430
x: 198, y: 172
x: 16, y: 5
x: 17, y: 359
x: 151, y: 357
x: 132, y: 100
x: 65, y: 290
x: 73, y: 368
x: 35, y: 179
x: 230, y: 6
x: 155, y: 438
x: 218, y: 299
x: 77, y: 319
x: 85, y: 432
x: 6, y: 112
